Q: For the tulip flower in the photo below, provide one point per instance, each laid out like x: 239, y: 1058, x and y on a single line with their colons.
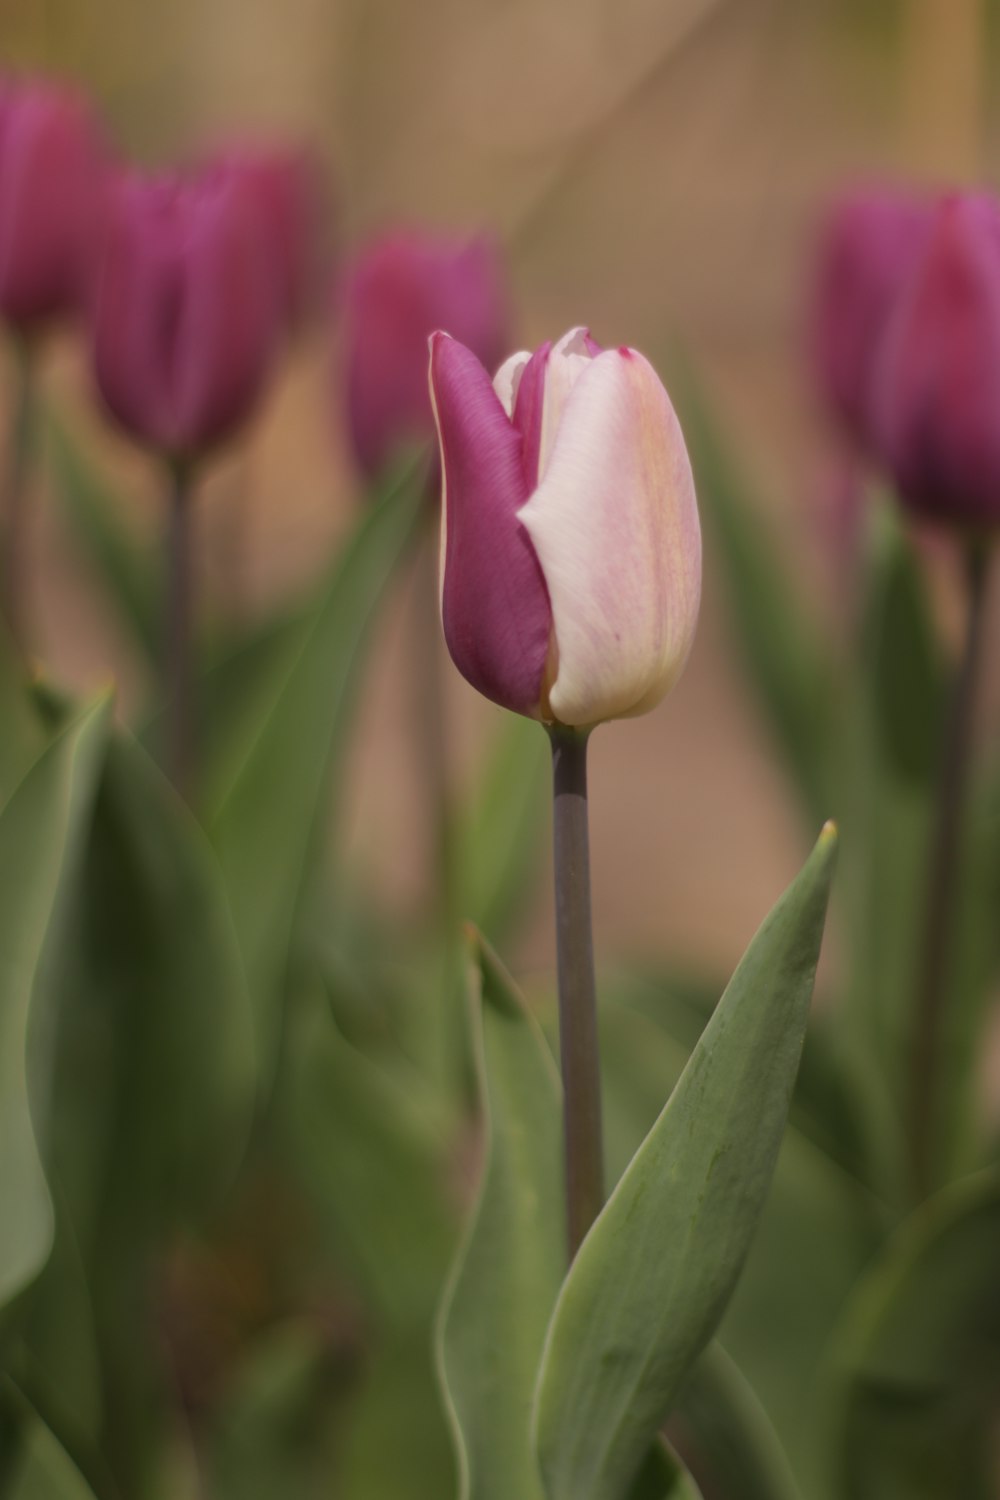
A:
x: 52, y: 177
x: 399, y: 291
x: 188, y: 312
x: 285, y: 183
x: 571, y: 549
x: 939, y: 374
x: 869, y: 246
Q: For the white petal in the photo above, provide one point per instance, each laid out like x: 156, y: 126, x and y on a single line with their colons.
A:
x: 614, y: 522
x: 568, y: 359
x: 508, y: 378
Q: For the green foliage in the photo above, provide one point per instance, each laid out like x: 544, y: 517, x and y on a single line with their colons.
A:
x: 652, y: 1279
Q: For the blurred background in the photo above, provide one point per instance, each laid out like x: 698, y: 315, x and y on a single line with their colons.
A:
x: 654, y: 169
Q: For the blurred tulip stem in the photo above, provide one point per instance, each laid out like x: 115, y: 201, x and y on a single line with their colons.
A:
x: 942, y: 873
x: 178, y: 667
x: 20, y: 443
x: 578, y: 1043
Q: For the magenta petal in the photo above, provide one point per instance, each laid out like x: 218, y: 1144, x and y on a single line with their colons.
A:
x: 494, y: 603
x: 528, y: 408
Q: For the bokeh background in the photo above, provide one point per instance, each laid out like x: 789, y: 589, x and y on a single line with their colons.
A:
x: 654, y: 168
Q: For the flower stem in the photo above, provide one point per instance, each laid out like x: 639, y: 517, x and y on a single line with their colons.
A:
x: 15, y: 493
x: 577, y: 989
x: 942, y: 875
x: 178, y: 633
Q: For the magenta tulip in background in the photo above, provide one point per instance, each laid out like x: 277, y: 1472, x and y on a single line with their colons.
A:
x: 938, y: 376
x: 289, y: 192
x: 868, y: 247
x: 400, y: 289
x: 571, y: 544
x: 52, y: 177
x: 189, y: 311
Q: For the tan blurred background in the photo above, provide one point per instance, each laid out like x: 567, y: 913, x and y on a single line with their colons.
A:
x: 655, y: 168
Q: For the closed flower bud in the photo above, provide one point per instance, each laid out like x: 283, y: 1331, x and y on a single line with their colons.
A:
x: 399, y: 291
x: 570, y: 545
x: 868, y: 247
x: 286, y: 185
x: 52, y: 179
x: 938, y: 376
x: 188, y: 313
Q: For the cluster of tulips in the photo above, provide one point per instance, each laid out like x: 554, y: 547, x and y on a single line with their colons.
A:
x: 204, y: 970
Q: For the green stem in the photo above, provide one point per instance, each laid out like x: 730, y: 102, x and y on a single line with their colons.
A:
x: 12, y: 577
x: 578, y: 1040
x: 942, y: 876
x: 178, y: 664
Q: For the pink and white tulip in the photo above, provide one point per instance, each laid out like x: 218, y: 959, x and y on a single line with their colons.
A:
x: 570, y: 541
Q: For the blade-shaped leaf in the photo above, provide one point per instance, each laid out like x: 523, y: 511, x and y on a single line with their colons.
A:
x: 21, y: 736
x: 268, y: 820
x: 126, y: 572
x: 719, y: 1419
x: 652, y: 1278
x: 917, y: 1366
x: 34, y: 1465
x: 42, y: 829
x: 498, y: 855
x: 509, y: 1269
x: 789, y: 664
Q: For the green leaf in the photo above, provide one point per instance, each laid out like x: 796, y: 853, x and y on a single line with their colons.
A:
x: 126, y: 571
x: 719, y: 1419
x: 21, y: 733
x: 371, y: 1160
x: 42, y: 829
x: 33, y: 1463
x: 892, y: 750
x: 917, y: 1367
x: 498, y: 859
x: 505, y: 1281
x: 154, y: 997
x: 787, y: 659
x: 662, y: 1477
x: 267, y: 824
x: 653, y: 1277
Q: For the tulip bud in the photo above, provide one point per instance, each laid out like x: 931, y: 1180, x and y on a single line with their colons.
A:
x: 869, y: 246
x: 570, y: 542
x: 938, y: 377
x: 400, y: 289
x: 288, y: 192
x: 188, y: 312
x: 52, y: 178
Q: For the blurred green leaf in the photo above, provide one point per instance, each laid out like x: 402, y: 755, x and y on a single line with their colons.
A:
x: 275, y: 1432
x: 499, y: 854
x: 372, y: 1161
x: 33, y: 1463
x: 508, y: 1272
x: 267, y: 823
x: 156, y: 1124
x: 653, y: 1277
x: 918, y: 1364
x: 892, y: 745
x: 789, y: 663
x: 662, y: 1477
x: 126, y: 572
x: 21, y: 732
x: 722, y: 1428
x: 42, y: 831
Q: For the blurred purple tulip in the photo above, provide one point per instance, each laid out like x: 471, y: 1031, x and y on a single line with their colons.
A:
x: 53, y: 175
x: 938, y: 374
x: 400, y: 289
x: 868, y: 247
x: 189, y: 310
x: 287, y: 186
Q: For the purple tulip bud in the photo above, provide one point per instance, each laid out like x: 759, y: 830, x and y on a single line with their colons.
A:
x: 188, y: 313
x: 938, y: 412
x: 869, y: 246
x: 399, y: 291
x: 287, y: 187
x: 570, y: 545
x: 52, y: 178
